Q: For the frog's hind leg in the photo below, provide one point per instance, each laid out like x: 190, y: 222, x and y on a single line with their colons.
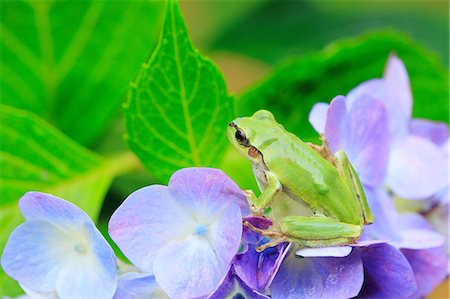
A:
x: 346, y: 169
x: 313, y: 231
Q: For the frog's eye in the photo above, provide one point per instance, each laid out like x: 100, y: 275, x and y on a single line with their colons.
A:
x: 240, y: 137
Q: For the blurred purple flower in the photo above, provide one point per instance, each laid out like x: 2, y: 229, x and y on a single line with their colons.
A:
x: 185, y: 234
x: 417, y: 168
x: 58, y: 251
x: 373, y: 126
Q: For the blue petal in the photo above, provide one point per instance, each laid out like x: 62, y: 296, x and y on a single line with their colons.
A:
x: 34, y: 255
x: 135, y: 285
x: 91, y: 273
x: 46, y: 207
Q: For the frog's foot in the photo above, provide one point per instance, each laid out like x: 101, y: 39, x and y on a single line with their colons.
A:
x: 272, y: 243
x: 251, y: 198
x: 265, y: 232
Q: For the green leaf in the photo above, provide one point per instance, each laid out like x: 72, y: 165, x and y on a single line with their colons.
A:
x: 70, y: 61
x: 301, y: 26
x: 297, y: 84
x: 178, y: 108
x: 36, y: 157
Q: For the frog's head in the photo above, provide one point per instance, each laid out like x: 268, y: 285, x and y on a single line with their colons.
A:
x: 250, y: 135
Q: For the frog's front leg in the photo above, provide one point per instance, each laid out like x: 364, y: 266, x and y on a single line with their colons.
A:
x: 259, y: 204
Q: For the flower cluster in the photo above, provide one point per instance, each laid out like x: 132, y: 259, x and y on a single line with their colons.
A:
x: 186, y: 240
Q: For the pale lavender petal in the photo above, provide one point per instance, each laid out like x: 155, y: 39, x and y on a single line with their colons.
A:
x: 34, y: 256
x: 225, y: 235
x: 417, y: 168
x: 375, y: 88
x: 335, y: 128
x: 385, y: 215
x: 134, y: 285
x: 31, y: 294
x: 146, y: 221
x: 328, y: 277
x: 436, y: 132
x: 49, y: 208
x: 92, y: 273
x: 416, y: 233
x: 318, y: 117
x: 332, y: 251
x: 387, y: 273
x: 419, y: 239
x: 399, y: 101
x: 202, y: 190
x: 233, y: 287
x: 188, y: 269
x: 429, y: 266
x: 366, y: 140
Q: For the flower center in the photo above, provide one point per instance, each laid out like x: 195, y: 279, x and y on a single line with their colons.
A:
x: 201, y: 230
x: 80, y: 248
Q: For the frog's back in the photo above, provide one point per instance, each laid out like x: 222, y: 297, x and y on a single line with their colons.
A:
x: 305, y: 175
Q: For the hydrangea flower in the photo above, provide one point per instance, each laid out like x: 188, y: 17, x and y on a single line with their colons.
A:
x: 185, y: 234
x: 417, y: 168
x: 366, y: 125
x: 58, y: 251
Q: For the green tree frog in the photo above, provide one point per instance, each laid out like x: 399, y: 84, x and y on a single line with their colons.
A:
x: 308, y: 174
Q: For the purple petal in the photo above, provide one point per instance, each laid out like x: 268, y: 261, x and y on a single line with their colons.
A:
x: 336, y: 251
x: 399, y: 102
x: 138, y: 285
x: 46, y: 207
x: 367, y: 140
x: 146, y: 221
x: 335, y: 127
x: 257, y: 269
x: 318, y: 117
x: 417, y: 168
x: 436, y: 132
x: 318, y: 277
x: 387, y: 273
x: 429, y: 266
x: 233, y: 287
x: 207, y: 188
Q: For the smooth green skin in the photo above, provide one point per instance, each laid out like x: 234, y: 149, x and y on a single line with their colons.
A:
x: 328, y: 185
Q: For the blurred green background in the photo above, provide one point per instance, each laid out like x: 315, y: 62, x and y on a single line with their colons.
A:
x: 70, y: 64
